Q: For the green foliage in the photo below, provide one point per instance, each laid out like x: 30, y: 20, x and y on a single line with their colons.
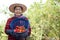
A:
x: 57, y: 0
x: 45, y: 19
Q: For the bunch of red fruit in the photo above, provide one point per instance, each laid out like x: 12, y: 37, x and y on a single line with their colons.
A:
x: 19, y: 29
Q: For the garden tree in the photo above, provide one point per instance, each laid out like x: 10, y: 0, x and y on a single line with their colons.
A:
x: 57, y: 0
x: 45, y: 20
x: 0, y: 31
x: 53, y: 12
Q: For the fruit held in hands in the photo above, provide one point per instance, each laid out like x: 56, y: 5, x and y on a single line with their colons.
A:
x: 19, y: 29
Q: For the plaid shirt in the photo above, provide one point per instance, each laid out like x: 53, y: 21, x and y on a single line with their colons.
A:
x: 8, y: 27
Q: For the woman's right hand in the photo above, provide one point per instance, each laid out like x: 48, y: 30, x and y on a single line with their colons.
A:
x: 9, y: 31
x: 12, y: 33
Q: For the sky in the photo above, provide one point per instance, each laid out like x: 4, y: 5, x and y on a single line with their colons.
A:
x: 9, y: 2
x: 25, y: 2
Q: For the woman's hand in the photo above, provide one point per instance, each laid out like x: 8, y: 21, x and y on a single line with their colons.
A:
x: 9, y: 31
x: 12, y: 33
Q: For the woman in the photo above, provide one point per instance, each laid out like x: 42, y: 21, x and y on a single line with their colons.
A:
x: 17, y: 9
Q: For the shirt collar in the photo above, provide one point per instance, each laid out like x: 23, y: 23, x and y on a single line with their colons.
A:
x: 18, y: 16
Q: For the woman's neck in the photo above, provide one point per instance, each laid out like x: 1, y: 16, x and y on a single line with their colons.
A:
x: 17, y: 15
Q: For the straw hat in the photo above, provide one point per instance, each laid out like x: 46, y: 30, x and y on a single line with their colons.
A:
x: 11, y: 7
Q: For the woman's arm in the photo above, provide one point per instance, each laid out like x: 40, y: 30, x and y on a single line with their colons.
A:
x: 7, y: 27
x: 29, y: 28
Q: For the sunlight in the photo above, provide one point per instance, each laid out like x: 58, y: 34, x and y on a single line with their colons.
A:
x: 44, y: 1
x: 9, y: 2
x: 3, y: 17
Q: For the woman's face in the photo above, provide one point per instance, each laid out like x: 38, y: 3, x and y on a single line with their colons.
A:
x: 18, y: 10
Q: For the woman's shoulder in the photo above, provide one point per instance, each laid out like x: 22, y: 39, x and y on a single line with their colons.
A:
x: 10, y: 18
x: 24, y: 17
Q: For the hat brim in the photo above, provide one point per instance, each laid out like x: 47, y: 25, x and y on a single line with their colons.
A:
x: 11, y: 8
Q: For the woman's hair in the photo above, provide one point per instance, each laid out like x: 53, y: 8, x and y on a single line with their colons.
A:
x: 18, y: 6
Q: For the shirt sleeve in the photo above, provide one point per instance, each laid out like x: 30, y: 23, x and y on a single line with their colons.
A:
x: 29, y: 28
x: 7, y: 26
